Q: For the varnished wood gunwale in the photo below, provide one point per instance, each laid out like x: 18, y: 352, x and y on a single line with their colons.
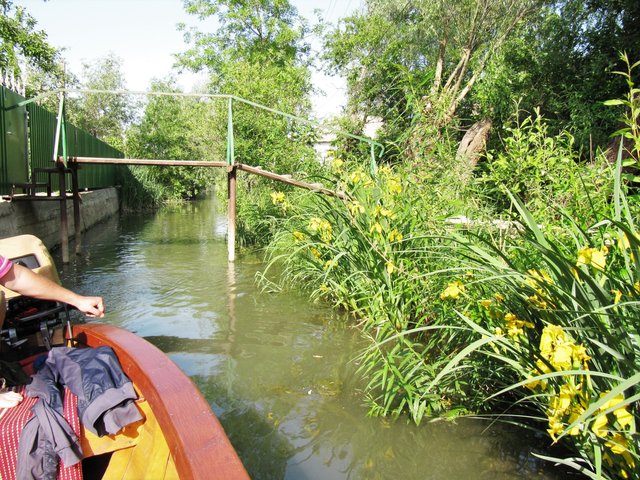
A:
x: 198, y: 443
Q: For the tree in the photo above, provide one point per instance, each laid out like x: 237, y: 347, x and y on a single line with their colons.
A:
x: 563, y: 62
x: 251, y: 30
x: 422, y: 65
x: 421, y: 57
x: 104, y: 115
x: 258, y: 53
x: 173, y: 128
x: 23, y: 47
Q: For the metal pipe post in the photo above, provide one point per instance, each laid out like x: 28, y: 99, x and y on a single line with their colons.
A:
x: 231, y: 213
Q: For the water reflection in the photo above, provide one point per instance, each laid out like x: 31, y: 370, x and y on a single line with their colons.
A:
x: 276, y: 369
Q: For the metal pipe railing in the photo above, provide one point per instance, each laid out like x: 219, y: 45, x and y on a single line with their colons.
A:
x: 230, y: 147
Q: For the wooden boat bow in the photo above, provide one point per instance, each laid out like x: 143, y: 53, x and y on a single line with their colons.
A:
x: 198, y: 444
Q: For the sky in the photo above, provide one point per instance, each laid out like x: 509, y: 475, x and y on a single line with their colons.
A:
x: 143, y: 34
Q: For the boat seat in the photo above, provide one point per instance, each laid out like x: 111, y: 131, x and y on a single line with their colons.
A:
x: 129, y: 436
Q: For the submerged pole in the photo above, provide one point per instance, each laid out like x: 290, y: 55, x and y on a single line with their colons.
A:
x: 76, y: 207
x: 64, y: 225
x: 231, y: 213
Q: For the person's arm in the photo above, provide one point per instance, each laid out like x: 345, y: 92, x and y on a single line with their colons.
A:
x: 25, y: 282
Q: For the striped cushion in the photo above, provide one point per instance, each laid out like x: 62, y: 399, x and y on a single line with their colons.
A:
x: 12, y: 420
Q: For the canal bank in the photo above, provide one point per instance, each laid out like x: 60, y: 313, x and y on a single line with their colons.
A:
x: 42, y: 218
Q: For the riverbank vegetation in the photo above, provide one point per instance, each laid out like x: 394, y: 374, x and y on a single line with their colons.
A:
x: 491, y: 255
x: 502, y: 286
x: 523, y: 310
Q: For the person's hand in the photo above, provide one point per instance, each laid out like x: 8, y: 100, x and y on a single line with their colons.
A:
x: 90, y: 306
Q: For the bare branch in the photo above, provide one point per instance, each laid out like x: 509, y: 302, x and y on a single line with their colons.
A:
x: 442, y: 48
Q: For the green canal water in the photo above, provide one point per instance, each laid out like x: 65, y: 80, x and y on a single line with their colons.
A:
x: 276, y: 369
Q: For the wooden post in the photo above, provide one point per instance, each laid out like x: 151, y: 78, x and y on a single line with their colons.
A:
x: 64, y: 225
x: 76, y: 207
x: 231, y: 213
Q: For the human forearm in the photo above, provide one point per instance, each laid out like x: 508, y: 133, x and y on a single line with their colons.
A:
x: 25, y: 282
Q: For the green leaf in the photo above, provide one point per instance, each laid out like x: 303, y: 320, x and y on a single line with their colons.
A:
x: 573, y: 463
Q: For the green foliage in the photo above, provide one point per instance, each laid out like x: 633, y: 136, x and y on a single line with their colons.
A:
x: 259, y: 53
x: 533, y: 326
x: 415, y: 64
x: 561, y: 62
x: 546, y: 172
x: 420, y: 65
x: 254, y: 31
x: 363, y: 44
x: 21, y: 42
x: 367, y: 253
x: 104, y: 115
x: 348, y: 149
x: 561, y: 321
x: 173, y: 128
x: 260, y: 216
x: 630, y: 133
x: 263, y: 138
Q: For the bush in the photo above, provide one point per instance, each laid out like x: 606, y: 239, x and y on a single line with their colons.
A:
x: 546, y: 173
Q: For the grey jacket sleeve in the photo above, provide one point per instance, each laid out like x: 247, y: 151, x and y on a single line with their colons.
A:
x: 105, y: 394
x: 46, y: 437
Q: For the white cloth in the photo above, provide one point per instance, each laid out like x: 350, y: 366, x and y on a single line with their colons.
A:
x: 9, y: 399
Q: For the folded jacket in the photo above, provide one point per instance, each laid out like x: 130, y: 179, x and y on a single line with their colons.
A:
x: 105, y: 406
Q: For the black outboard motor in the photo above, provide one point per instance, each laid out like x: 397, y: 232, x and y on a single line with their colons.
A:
x: 30, y: 325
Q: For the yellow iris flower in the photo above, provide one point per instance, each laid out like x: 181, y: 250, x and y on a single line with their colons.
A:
x: 355, y: 207
x: 617, y: 296
x: 619, y: 445
x: 394, y: 186
x: 599, y: 426
x: 376, y: 227
x: 395, y: 236
x: 486, y: 303
x: 453, y: 291
x: 322, y: 227
x: 593, y: 256
x: 277, y: 197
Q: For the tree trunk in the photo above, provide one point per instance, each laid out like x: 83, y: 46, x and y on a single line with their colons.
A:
x: 472, y: 146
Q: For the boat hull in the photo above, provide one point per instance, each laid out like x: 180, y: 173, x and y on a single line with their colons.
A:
x: 180, y: 437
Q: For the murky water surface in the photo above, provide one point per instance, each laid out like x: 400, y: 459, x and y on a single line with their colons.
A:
x: 275, y: 368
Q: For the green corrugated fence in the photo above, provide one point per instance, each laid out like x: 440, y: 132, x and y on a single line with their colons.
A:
x: 28, y: 139
x: 82, y: 144
x: 13, y: 146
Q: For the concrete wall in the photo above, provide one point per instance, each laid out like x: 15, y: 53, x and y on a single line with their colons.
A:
x: 42, y: 218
